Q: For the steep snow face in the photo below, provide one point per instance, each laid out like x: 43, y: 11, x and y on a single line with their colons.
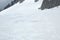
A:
x: 25, y: 22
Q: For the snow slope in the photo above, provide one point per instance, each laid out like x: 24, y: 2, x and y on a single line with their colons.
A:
x: 26, y: 22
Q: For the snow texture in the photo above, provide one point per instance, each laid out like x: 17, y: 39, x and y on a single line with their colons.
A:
x: 25, y: 22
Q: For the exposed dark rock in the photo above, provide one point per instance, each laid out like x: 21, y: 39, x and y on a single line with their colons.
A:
x: 10, y: 4
x: 13, y: 2
x: 21, y: 1
x: 36, y: 0
x: 7, y: 6
x: 47, y: 4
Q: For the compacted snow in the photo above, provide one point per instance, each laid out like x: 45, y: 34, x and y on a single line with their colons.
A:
x: 26, y: 22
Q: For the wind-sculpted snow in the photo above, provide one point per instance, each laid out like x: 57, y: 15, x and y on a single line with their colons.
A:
x: 25, y: 22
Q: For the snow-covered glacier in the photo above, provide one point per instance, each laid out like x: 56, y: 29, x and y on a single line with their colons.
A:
x: 26, y: 22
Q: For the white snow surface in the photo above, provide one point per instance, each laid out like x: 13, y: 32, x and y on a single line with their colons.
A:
x: 26, y: 22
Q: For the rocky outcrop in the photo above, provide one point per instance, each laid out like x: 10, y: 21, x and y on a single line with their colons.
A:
x: 47, y: 4
x: 36, y: 0
x: 13, y: 2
